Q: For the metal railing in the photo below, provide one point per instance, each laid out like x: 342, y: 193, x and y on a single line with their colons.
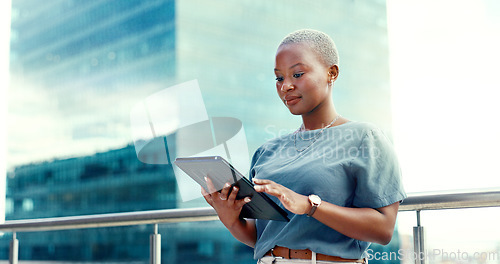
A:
x: 415, y: 202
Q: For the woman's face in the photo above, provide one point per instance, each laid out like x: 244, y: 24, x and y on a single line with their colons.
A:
x: 302, y: 80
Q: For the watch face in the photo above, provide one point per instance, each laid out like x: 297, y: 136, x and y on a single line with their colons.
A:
x: 315, y: 199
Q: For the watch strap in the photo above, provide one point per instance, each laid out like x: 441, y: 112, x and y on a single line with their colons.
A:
x: 314, y: 204
x: 313, y: 209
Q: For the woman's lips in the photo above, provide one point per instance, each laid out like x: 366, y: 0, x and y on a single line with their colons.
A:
x: 292, y: 100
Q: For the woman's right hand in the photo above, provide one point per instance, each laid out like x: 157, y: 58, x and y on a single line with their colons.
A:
x: 225, y: 203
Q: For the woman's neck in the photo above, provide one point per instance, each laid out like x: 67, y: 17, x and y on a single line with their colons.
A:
x: 319, y: 119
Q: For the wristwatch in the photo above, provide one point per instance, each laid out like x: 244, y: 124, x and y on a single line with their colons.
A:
x: 315, y: 202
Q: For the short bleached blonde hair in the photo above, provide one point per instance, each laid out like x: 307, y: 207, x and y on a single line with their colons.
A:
x: 320, y: 43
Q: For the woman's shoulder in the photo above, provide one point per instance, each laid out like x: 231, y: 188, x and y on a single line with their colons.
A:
x: 357, y: 128
x: 368, y: 134
x: 359, y: 125
x: 358, y: 132
x: 276, y: 141
x: 269, y: 147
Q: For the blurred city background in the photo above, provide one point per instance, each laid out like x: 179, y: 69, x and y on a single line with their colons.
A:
x: 425, y: 72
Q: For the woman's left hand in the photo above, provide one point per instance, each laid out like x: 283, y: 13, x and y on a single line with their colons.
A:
x: 293, y: 202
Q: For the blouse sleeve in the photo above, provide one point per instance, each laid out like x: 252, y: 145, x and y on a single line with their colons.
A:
x: 377, y: 173
x: 255, y: 157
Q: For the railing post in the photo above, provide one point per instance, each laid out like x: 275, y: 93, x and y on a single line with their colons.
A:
x: 418, y: 242
x: 14, y: 249
x: 155, y: 247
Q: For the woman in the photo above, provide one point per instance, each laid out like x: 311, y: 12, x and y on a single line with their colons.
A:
x: 339, y: 180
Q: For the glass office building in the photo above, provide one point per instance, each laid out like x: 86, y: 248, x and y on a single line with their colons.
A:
x: 78, y: 67
x: 112, y: 181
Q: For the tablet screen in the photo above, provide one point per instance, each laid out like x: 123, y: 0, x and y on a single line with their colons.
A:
x: 221, y: 172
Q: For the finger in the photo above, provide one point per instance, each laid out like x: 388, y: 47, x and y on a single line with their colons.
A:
x: 206, y: 195
x: 204, y: 192
x: 232, y: 196
x: 260, y: 188
x: 267, y: 187
x: 275, y: 191
x: 262, y: 181
x: 210, y: 185
x: 271, y: 189
x: 225, y: 191
x: 239, y: 203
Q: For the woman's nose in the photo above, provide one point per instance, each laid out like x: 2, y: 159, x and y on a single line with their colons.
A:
x: 287, y: 86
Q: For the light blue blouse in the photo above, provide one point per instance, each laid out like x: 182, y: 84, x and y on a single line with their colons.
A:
x: 350, y: 165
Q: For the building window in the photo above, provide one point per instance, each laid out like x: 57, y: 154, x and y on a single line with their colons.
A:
x: 28, y: 205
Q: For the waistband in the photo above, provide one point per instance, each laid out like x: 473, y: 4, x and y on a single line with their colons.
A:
x: 287, y: 253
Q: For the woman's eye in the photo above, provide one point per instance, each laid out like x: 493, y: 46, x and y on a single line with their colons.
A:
x: 279, y: 79
x: 297, y: 75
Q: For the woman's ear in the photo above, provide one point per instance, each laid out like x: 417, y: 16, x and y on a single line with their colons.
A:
x: 334, y: 72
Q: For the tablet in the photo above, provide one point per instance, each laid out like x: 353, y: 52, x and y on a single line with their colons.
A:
x: 221, y: 172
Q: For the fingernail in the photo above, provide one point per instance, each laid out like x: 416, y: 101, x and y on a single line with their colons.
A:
x: 247, y: 199
x: 235, y: 188
x: 227, y: 185
x: 206, y: 179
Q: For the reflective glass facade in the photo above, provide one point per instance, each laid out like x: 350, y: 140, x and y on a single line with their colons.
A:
x: 78, y: 67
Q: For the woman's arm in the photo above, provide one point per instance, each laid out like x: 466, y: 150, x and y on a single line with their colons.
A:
x: 228, y: 209
x: 367, y: 224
